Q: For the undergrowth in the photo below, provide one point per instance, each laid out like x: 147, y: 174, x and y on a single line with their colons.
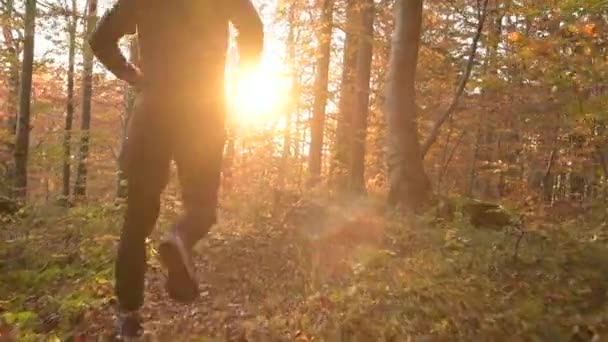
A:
x: 351, y: 274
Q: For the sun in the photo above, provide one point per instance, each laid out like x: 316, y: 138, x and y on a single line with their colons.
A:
x: 256, y: 96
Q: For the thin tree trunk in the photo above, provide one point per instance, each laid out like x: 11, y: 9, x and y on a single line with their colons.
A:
x: 11, y: 105
x: 69, y: 112
x: 447, y: 159
x: 444, y: 156
x: 13, y: 91
x: 302, y: 133
x: 485, y: 129
x: 321, y: 94
x: 548, y: 177
x: 287, y: 144
x: 11, y: 48
x: 87, y: 90
x: 362, y: 82
x: 288, y: 131
x: 291, y: 59
x: 473, y: 171
x: 410, y: 187
x: 23, y: 119
x: 341, y: 158
x: 130, y: 96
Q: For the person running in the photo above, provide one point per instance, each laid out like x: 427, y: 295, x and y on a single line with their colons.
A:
x: 179, y: 116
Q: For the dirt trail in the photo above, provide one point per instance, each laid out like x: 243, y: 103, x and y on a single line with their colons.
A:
x: 246, y: 278
x: 252, y: 277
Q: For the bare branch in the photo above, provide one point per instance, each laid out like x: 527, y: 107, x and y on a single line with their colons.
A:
x: 434, y: 134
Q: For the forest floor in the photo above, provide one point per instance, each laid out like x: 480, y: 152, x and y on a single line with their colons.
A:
x: 323, y: 274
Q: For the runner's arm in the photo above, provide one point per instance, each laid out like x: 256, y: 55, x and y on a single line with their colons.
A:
x: 250, y: 28
x: 116, y: 23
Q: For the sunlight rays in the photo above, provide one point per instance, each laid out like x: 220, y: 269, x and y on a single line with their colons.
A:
x: 257, y: 96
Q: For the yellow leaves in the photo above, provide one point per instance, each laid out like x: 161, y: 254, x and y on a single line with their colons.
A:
x: 588, y: 29
x: 572, y: 28
x: 587, y: 51
x: 573, y: 39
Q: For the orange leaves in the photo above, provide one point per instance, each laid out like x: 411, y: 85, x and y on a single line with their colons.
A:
x: 587, y: 50
x: 590, y: 30
x: 537, y: 47
x: 587, y: 29
x: 514, y: 37
x: 432, y: 20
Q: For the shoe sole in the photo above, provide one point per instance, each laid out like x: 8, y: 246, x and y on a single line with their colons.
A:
x: 180, y: 285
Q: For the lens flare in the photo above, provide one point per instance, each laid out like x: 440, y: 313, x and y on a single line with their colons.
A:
x: 257, y: 96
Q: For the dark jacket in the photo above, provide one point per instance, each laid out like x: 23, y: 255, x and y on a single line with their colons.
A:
x: 182, y: 43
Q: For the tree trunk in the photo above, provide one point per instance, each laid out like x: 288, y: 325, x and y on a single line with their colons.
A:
x: 288, y: 131
x: 87, y: 89
x: 409, y: 184
x: 23, y: 119
x: 291, y: 60
x: 12, y: 50
x: 341, y: 158
x: 362, y: 80
x: 473, y: 170
x: 130, y: 96
x: 69, y: 112
x: 13, y: 91
x: 11, y: 105
x: 321, y: 94
x: 484, y: 139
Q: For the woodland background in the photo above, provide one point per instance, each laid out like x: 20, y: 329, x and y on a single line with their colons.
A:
x: 483, y: 122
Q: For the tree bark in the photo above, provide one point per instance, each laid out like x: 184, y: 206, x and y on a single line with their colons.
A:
x: 69, y: 112
x: 473, y: 170
x: 362, y: 83
x: 87, y: 90
x: 23, y: 119
x: 321, y: 94
x: 341, y: 158
x: 12, y: 49
x: 410, y: 187
x: 11, y: 105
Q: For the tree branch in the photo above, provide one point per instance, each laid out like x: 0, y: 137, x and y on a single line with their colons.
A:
x: 434, y: 134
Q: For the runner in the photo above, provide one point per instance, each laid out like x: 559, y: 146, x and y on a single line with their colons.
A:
x: 179, y: 116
